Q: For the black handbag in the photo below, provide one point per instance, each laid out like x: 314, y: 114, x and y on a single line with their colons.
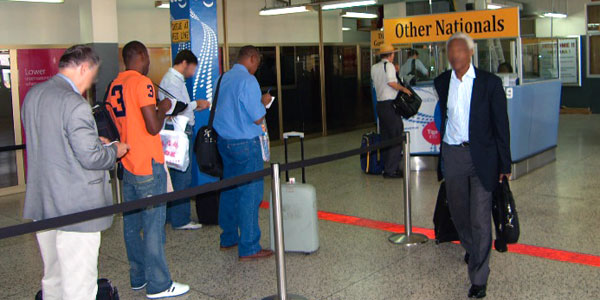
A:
x: 207, y: 154
x: 405, y: 105
x: 506, y: 219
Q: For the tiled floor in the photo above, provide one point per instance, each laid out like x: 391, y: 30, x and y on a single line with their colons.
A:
x: 558, y: 206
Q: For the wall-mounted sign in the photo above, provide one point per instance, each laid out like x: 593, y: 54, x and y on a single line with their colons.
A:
x: 180, y: 31
x: 568, y: 53
x: 481, y: 24
x: 376, y: 39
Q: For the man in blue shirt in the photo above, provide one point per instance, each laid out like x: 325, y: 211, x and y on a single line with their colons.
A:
x: 184, y: 66
x: 240, y: 110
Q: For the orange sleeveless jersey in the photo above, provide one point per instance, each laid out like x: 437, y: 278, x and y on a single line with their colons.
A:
x: 128, y: 93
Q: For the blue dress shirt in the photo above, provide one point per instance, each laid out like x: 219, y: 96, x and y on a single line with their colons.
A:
x: 459, y: 108
x: 239, y: 105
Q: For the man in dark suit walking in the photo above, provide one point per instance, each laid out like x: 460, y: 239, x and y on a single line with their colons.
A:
x: 475, y: 153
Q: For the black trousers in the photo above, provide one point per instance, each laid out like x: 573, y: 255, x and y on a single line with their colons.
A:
x: 391, y: 126
x: 471, y: 209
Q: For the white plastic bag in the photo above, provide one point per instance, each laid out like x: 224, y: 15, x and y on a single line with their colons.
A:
x: 176, y: 145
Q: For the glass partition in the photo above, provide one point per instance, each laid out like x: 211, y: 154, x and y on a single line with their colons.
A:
x: 300, y: 84
x: 346, y: 109
x: 540, y: 58
x: 365, y: 94
x: 8, y: 162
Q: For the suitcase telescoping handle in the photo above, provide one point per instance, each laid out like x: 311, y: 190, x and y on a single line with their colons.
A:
x: 286, y: 136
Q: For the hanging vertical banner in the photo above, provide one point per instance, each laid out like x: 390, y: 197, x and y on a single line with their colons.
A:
x: 35, y: 66
x: 194, y: 27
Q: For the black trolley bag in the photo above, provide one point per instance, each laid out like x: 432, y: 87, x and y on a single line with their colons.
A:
x: 445, y: 231
x: 371, y: 162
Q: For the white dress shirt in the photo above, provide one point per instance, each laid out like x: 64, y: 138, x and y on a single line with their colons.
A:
x: 381, y: 78
x: 459, y: 108
x: 174, y: 83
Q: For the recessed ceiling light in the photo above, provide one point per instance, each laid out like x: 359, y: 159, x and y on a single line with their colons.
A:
x: 346, y: 28
x: 494, y: 6
x: 282, y: 10
x: 348, y: 4
x: 555, y: 15
x: 357, y: 15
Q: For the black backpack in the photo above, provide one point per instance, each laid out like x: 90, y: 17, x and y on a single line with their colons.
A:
x: 106, y: 291
x: 104, y: 122
x: 104, y: 119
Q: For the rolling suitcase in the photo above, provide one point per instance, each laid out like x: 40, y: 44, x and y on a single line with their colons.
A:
x: 299, y: 210
x: 372, y: 161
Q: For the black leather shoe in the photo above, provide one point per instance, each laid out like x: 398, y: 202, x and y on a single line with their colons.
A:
x: 394, y: 175
x: 467, y: 258
x: 477, y: 291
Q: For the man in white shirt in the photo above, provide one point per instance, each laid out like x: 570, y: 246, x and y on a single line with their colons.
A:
x: 475, y: 152
x: 184, y: 66
x: 413, y: 68
x: 383, y: 75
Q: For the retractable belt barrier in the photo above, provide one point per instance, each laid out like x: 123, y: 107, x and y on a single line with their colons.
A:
x: 12, y: 148
x: 65, y: 220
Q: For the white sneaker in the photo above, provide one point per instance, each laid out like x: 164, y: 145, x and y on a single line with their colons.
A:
x: 176, y: 289
x: 189, y: 226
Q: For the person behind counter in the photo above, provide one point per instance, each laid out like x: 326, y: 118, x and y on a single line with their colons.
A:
x: 413, y: 68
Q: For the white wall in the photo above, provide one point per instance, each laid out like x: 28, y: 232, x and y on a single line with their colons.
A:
x: 140, y: 20
x: 23, y: 23
x: 246, y: 26
x: 574, y: 24
x: 68, y: 23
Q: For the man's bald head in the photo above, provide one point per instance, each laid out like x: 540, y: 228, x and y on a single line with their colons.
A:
x: 249, y: 56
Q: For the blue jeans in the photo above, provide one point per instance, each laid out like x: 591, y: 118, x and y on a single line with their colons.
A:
x: 146, y: 254
x: 238, y: 208
x: 178, y: 211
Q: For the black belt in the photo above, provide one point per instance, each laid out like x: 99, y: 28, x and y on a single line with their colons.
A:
x: 461, y: 145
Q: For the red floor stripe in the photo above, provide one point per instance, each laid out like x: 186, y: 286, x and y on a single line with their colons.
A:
x: 535, y: 251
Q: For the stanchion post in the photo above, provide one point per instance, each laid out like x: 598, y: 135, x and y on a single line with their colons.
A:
x: 279, y: 242
x: 408, y: 238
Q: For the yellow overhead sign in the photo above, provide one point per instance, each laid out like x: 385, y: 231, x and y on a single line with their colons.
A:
x: 480, y: 24
x: 376, y: 39
x: 180, y: 31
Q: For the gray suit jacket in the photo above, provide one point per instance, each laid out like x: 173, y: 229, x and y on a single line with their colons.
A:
x: 66, y: 162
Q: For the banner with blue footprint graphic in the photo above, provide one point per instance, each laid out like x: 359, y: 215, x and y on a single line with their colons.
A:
x: 194, y: 27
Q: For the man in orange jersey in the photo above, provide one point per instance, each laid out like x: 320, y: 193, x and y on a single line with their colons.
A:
x: 139, y: 120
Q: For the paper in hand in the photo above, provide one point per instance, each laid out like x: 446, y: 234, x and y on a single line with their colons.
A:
x: 270, y: 103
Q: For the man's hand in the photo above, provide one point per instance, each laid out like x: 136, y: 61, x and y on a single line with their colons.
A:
x: 266, y: 99
x: 202, y: 105
x: 406, y: 91
x: 122, y: 149
x: 502, y: 176
x: 164, y: 105
x: 104, y: 140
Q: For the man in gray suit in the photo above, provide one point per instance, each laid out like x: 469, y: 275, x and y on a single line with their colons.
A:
x: 67, y: 173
